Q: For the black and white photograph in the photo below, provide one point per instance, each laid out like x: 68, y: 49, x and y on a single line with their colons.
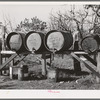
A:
x: 50, y: 47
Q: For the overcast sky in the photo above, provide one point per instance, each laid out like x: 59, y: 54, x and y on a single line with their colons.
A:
x: 16, y: 12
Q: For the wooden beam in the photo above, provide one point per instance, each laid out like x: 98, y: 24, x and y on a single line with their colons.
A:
x: 90, y: 59
x: 87, y: 65
x: 17, y: 62
x: 8, y: 61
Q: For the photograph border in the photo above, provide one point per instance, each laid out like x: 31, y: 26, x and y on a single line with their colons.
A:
x: 4, y: 93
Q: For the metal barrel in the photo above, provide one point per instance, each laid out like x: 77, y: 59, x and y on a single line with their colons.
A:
x: 15, y: 42
x: 58, y: 40
x: 34, y: 42
x: 90, y: 44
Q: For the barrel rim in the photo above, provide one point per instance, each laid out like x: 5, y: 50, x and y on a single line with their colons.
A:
x: 8, y: 38
x: 89, y: 37
x: 45, y: 42
x: 31, y: 32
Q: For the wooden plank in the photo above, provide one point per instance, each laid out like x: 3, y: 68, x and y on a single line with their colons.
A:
x: 80, y: 52
x: 8, y: 61
x: 90, y: 59
x: 7, y: 52
x: 87, y: 65
x: 17, y: 62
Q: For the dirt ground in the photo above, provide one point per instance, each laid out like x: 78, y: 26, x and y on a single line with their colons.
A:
x: 85, y: 80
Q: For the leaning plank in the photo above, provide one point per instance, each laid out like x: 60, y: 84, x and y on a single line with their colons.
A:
x: 10, y: 59
x: 17, y: 62
x: 87, y: 65
x: 90, y: 59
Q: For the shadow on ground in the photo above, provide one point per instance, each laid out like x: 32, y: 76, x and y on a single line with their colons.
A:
x: 62, y: 75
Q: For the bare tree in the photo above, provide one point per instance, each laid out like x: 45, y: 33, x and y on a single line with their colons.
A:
x: 81, y: 20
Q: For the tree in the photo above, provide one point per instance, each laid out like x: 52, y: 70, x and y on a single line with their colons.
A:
x: 35, y: 24
x: 70, y: 20
x: 96, y: 22
x: 85, y: 20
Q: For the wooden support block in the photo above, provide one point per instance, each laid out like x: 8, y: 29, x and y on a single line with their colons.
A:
x: 11, y: 72
x: 98, y: 67
x: 52, y: 74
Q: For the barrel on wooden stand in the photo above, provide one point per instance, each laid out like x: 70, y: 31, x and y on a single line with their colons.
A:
x: 34, y: 42
x: 15, y: 42
x: 58, y: 40
x: 90, y: 44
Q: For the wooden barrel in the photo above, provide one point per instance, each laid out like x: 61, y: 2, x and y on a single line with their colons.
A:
x: 34, y: 42
x: 58, y: 40
x: 15, y: 42
x: 90, y: 44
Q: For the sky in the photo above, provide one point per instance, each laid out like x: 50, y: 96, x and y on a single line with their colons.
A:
x: 17, y: 12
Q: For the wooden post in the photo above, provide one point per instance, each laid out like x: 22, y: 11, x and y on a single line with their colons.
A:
x: 3, y: 38
x: 20, y: 73
x: 77, y: 67
x: 11, y: 69
x: 51, y: 59
x: 0, y: 62
x: 0, y: 58
x: 44, y: 70
x: 95, y: 54
x: 11, y: 72
x: 98, y: 67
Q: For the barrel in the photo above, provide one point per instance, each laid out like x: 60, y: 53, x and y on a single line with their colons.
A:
x: 15, y: 42
x: 34, y: 42
x: 58, y: 40
x: 90, y: 44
